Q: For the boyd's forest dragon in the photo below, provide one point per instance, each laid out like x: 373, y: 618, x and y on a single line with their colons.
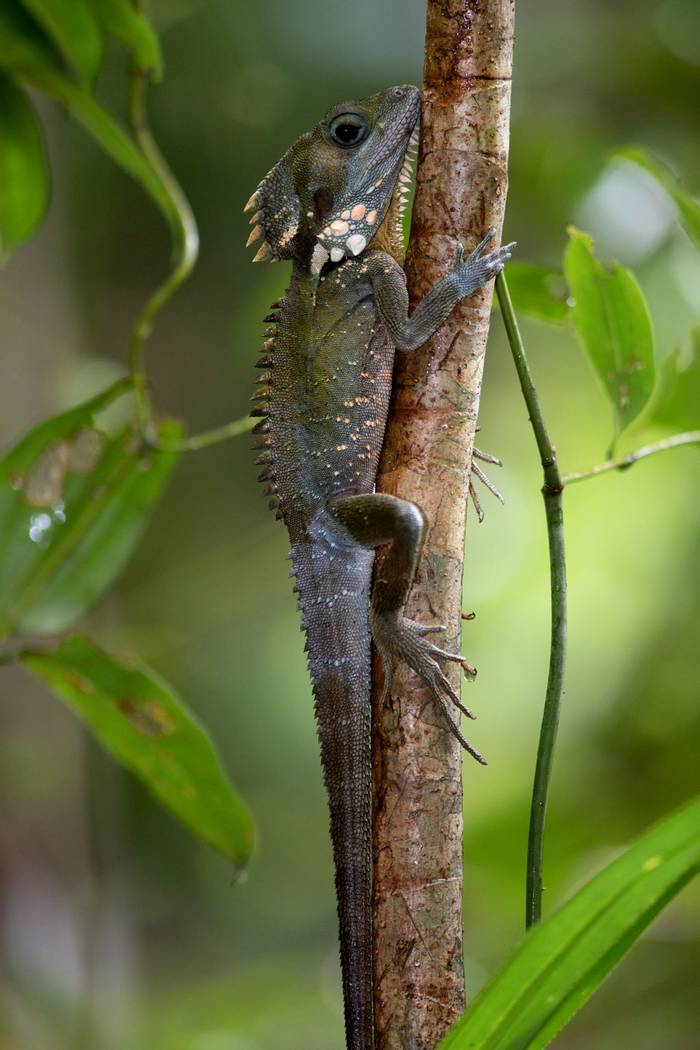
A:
x: 333, y: 206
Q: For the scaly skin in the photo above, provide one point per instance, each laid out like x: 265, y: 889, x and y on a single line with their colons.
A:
x: 324, y: 402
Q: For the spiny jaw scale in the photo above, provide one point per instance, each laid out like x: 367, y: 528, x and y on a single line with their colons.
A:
x: 404, y: 181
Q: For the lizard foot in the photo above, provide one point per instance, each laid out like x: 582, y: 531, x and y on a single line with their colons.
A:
x: 395, y: 636
x: 477, y: 472
x: 478, y: 267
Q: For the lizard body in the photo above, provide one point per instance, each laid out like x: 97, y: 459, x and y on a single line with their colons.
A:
x: 333, y: 206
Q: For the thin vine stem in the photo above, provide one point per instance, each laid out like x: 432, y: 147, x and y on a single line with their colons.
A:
x: 552, y: 491
x: 208, y: 437
x: 185, y: 247
x: 690, y: 437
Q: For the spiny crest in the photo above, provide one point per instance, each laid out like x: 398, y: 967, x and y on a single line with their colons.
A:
x: 261, y: 410
x: 275, y: 208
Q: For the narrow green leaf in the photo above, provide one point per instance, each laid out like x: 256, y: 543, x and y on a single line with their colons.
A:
x: 612, y: 321
x: 104, y: 130
x: 16, y: 462
x: 141, y: 722
x: 26, y: 55
x: 538, y: 291
x: 73, y: 506
x: 123, y: 21
x: 688, y: 206
x: 676, y: 403
x: 563, y: 960
x: 23, y: 46
x: 24, y: 174
x: 73, y: 28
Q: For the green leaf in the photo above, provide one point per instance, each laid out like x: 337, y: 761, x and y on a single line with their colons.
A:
x: 24, y: 174
x: 22, y: 457
x: 73, y: 506
x: 563, y: 960
x: 23, y: 46
x: 612, y: 321
x: 105, y: 131
x: 688, y: 206
x: 73, y: 28
x: 139, y: 720
x: 538, y: 291
x: 29, y: 59
x: 123, y: 21
x: 676, y: 403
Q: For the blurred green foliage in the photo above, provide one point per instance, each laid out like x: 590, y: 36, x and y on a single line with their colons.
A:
x: 613, y: 322
x: 139, y: 721
x: 31, y: 51
x: 675, y: 404
x: 74, y: 502
x: 563, y: 959
x: 24, y: 184
x: 120, y: 932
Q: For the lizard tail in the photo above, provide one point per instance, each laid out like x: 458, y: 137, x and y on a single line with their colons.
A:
x: 344, y: 723
x: 338, y: 643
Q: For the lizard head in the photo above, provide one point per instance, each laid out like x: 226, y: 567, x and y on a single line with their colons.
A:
x: 334, y: 188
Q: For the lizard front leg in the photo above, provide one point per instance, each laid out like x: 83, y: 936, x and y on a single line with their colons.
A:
x: 389, y: 286
x: 375, y: 519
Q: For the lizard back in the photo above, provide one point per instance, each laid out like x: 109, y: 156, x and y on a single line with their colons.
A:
x: 327, y: 392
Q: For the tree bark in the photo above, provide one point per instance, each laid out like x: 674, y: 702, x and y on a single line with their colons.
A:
x: 460, y: 193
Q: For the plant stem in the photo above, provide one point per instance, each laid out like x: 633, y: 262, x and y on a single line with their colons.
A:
x: 690, y: 437
x: 552, y: 491
x: 208, y: 437
x: 185, y: 247
x: 106, y: 397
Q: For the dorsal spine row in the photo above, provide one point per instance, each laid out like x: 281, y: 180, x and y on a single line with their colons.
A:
x: 261, y: 411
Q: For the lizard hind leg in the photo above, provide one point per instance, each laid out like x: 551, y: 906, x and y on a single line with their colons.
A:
x: 377, y: 519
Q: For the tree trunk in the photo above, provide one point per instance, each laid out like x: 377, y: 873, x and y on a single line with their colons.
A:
x: 461, y: 192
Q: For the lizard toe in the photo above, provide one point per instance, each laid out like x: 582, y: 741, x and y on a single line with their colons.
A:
x: 406, y: 639
x: 433, y: 628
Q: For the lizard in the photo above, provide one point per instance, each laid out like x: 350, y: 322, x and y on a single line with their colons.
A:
x: 333, y: 206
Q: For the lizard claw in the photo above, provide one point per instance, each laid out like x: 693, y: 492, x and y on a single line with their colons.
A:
x: 496, y: 260
x: 485, y: 480
x: 476, y: 254
x: 490, y: 234
x: 437, y: 628
x: 477, y: 472
x: 486, y: 457
x: 396, y: 636
x: 479, y: 266
x: 388, y: 666
x: 474, y: 497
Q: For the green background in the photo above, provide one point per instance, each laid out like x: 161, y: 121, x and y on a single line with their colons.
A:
x: 117, y: 930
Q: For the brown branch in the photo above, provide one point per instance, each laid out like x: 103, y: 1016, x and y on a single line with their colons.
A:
x: 461, y: 192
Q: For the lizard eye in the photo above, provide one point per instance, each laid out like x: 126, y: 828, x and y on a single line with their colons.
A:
x: 349, y: 129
